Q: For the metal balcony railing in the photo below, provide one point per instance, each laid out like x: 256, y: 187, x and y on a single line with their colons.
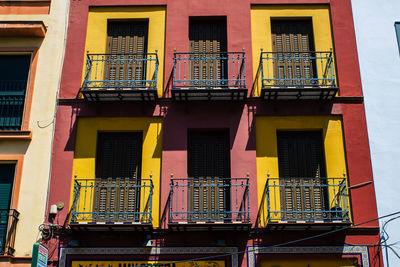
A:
x: 12, y: 100
x: 214, y: 70
x: 209, y: 200
x: 8, y: 227
x: 121, y: 72
x: 112, y: 200
x: 307, y: 199
x: 297, y: 70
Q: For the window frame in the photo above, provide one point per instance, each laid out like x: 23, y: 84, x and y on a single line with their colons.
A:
x: 24, y: 131
x: 18, y: 161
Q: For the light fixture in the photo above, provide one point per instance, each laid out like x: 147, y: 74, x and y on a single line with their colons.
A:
x: 53, y: 209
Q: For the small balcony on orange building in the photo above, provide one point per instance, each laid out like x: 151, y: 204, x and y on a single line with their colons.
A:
x: 304, y: 203
x: 8, y: 226
x: 115, y: 203
x: 298, y: 75
x: 121, y: 77
x: 209, y: 76
x: 204, y: 204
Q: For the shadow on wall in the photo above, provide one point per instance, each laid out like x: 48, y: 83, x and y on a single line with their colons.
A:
x: 199, y: 115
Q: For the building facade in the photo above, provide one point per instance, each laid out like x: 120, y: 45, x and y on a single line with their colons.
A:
x: 212, y: 133
x: 31, y: 52
x: 379, y: 73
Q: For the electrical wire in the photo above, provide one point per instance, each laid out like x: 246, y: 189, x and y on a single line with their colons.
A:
x: 384, y: 238
x: 395, y: 253
x: 293, y: 241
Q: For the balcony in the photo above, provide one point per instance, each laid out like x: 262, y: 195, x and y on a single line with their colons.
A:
x: 305, y: 203
x: 8, y: 227
x: 118, y: 204
x: 121, y: 77
x: 298, y: 75
x: 202, y: 204
x: 12, y: 100
x: 209, y: 76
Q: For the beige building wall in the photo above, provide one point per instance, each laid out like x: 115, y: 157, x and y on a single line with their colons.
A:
x: 34, y: 154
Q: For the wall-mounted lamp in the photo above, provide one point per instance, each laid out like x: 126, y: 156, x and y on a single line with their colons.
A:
x: 53, y: 210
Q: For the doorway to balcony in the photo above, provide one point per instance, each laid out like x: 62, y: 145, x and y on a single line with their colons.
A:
x: 118, y: 177
x: 209, y: 173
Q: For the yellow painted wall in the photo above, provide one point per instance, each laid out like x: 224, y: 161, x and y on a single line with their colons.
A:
x: 309, y: 263
x: 267, y: 149
x: 261, y: 16
x: 86, y: 143
x: 97, y: 31
x: 37, y: 152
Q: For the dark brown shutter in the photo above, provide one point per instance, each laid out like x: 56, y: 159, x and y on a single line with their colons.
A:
x: 208, y: 163
x: 118, y: 170
x: 293, y: 36
x: 300, y: 157
x: 129, y: 38
x: 206, y: 36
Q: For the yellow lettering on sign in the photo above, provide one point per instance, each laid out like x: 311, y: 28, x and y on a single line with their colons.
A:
x: 147, y: 264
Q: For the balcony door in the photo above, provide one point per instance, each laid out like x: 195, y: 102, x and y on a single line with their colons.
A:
x: 6, y: 184
x: 209, y: 168
x: 293, y: 44
x: 126, y: 50
x: 118, y: 173
x: 302, y: 172
x: 208, y: 47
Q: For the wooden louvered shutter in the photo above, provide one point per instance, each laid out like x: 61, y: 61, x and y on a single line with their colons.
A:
x: 208, y: 164
x: 126, y: 40
x: 6, y: 185
x: 208, y: 36
x: 300, y: 157
x: 118, y: 170
x: 293, y: 36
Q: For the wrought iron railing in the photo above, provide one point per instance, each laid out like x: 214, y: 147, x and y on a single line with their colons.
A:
x: 209, y: 70
x: 209, y: 200
x: 121, y: 71
x: 297, y: 69
x: 307, y: 199
x: 12, y: 100
x: 112, y: 200
x: 8, y: 227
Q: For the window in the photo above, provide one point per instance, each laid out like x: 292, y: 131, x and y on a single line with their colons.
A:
x: 293, y: 40
x: 6, y: 187
x: 118, y: 174
x: 209, y: 168
x: 126, y: 50
x: 302, y: 175
x: 397, y: 27
x: 207, y: 42
x: 14, y: 71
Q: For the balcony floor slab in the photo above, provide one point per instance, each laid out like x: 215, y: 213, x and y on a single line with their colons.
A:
x: 286, y: 93
x: 200, y: 94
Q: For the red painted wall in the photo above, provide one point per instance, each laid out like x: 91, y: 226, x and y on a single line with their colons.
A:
x: 238, y: 117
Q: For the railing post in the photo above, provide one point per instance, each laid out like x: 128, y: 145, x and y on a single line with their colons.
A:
x: 244, y: 67
x: 248, y: 195
x: 174, y: 70
x: 262, y: 68
x: 156, y: 71
x: 151, y: 202
x: 171, y: 198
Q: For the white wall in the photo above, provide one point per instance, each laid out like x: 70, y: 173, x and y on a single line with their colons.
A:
x: 37, y: 152
x: 380, y: 72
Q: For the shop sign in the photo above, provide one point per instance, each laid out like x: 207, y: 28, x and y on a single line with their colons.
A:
x: 171, y: 263
x: 39, y: 255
